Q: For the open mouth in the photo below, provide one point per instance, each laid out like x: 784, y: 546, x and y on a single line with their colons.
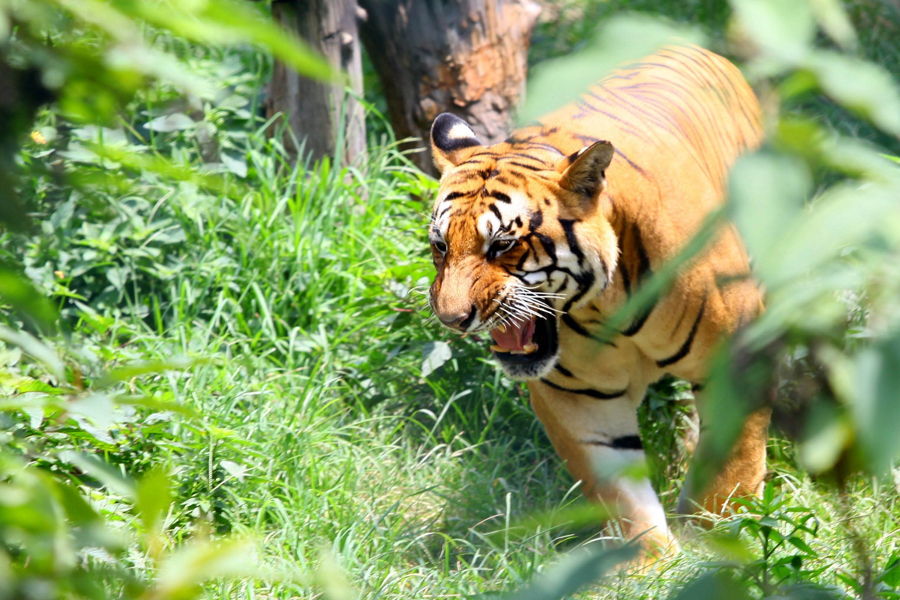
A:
x: 525, y: 343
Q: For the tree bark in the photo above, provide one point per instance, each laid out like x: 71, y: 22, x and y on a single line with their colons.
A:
x: 468, y: 57
x: 323, y: 116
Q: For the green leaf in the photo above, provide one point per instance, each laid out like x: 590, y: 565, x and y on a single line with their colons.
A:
x: 827, y: 434
x: 622, y: 40
x: 238, y: 166
x: 833, y: 19
x: 133, y: 370
x: 157, y: 405
x: 36, y: 349
x: 717, y: 585
x: 332, y: 579
x: 767, y: 192
x: 783, y: 29
x: 802, y: 546
x: 234, y: 469
x: 101, y: 471
x: 845, y: 215
x: 580, y: 514
x: 861, y: 86
x: 33, y: 385
x: 434, y: 354
x: 153, y: 498
x: 20, y: 294
x: 575, y: 570
x: 117, y: 276
x: 876, y: 407
x: 173, y: 122
x: 200, y: 561
x: 230, y: 22
x: 97, y: 407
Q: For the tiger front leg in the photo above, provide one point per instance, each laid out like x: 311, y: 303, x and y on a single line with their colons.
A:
x: 600, y: 443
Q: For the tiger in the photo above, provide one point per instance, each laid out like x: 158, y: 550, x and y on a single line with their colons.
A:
x: 541, y: 238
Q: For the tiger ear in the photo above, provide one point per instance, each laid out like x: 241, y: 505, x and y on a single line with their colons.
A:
x: 450, y: 135
x: 584, y: 172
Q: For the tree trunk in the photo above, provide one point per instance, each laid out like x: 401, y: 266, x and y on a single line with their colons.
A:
x: 323, y: 116
x: 468, y: 57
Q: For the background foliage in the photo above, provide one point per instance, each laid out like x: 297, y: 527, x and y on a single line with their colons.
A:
x: 218, y: 374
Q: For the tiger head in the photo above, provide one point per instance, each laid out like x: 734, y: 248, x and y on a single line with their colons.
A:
x: 519, y: 238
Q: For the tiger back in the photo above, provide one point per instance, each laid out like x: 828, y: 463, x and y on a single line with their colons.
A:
x: 540, y: 239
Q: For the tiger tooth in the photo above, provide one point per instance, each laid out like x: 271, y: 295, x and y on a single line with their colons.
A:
x: 501, y: 328
x: 529, y: 348
x: 497, y: 348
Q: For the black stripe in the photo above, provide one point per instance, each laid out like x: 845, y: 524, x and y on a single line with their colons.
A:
x: 591, y: 393
x: 577, y: 328
x: 632, y: 164
x: 455, y: 195
x: 585, y: 281
x: 643, y: 261
x: 568, y: 226
x: 547, y: 243
x: 574, y: 326
x: 516, y: 139
x: 515, y: 175
x: 496, y: 212
x: 643, y: 272
x: 637, y: 323
x: 563, y: 370
x: 524, y: 258
x: 525, y: 155
x: 500, y: 196
x: 471, y: 161
x: 686, y: 346
x: 625, y: 126
x: 628, y: 442
x: 626, y: 280
x: 524, y: 166
x: 544, y: 146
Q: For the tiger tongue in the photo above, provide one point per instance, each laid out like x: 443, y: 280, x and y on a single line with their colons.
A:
x: 516, y: 336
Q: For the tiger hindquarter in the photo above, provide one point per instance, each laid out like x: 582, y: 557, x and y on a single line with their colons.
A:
x: 540, y: 239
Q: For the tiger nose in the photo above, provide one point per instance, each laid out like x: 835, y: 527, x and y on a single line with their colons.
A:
x: 459, y: 320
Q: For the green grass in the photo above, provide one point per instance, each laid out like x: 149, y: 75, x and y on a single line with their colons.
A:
x: 299, y: 294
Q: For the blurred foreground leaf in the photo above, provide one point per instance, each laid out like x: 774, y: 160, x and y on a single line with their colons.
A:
x: 434, y: 355
x: 717, y: 585
x: 18, y: 292
x: 572, y: 572
x: 621, y: 40
x: 876, y: 408
x: 861, y: 86
x: 183, y: 571
x: 781, y: 28
x: 37, y: 349
x: 100, y: 470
